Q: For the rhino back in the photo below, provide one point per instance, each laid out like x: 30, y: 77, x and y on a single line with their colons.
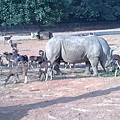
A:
x: 80, y: 49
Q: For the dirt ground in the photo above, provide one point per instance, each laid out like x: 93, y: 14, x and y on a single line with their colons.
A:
x: 71, y: 96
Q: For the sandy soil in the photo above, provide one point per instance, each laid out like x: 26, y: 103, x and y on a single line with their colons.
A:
x: 72, y: 96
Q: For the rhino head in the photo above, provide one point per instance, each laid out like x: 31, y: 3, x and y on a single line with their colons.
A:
x: 109, y: 62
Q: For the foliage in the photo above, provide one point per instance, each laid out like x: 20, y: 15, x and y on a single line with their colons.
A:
x: 48, y: 12
x: 96, y: 10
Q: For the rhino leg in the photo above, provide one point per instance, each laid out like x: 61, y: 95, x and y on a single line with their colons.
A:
x: 94, y: 63
x: 106, y: 69
x: 103, y: 64
x: 87, y: 68
x: 57, y: 69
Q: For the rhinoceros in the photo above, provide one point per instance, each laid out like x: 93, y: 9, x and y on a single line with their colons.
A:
x: 75, y: 49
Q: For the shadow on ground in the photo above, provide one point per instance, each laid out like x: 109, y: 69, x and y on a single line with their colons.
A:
x: 19, y: 111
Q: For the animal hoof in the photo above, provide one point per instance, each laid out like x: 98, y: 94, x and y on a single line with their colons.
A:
x: 15, y: 82
x: 59, y: 73
x: 87, y: 72
x: 25, y: 82
x: 95, y: 75
x: 45, y: 80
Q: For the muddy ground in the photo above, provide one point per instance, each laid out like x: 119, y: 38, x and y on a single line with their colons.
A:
x: 71, y: 96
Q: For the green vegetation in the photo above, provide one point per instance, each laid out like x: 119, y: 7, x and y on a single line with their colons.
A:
x: 49, y: 12
x: 110, y: 74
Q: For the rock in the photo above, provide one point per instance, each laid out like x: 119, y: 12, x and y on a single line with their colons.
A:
x: 45, y: 35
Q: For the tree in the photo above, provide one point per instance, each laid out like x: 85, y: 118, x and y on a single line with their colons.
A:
x: 11, y: 13
x: 110, y: 9
x: 33, y: 11
x: 87, y: 10
x: 94, y: 10
x: 49, y: 12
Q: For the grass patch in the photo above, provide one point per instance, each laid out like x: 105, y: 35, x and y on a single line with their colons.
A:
x: 110, y: 74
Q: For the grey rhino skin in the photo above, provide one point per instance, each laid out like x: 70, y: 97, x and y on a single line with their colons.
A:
x: 74, y: 49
